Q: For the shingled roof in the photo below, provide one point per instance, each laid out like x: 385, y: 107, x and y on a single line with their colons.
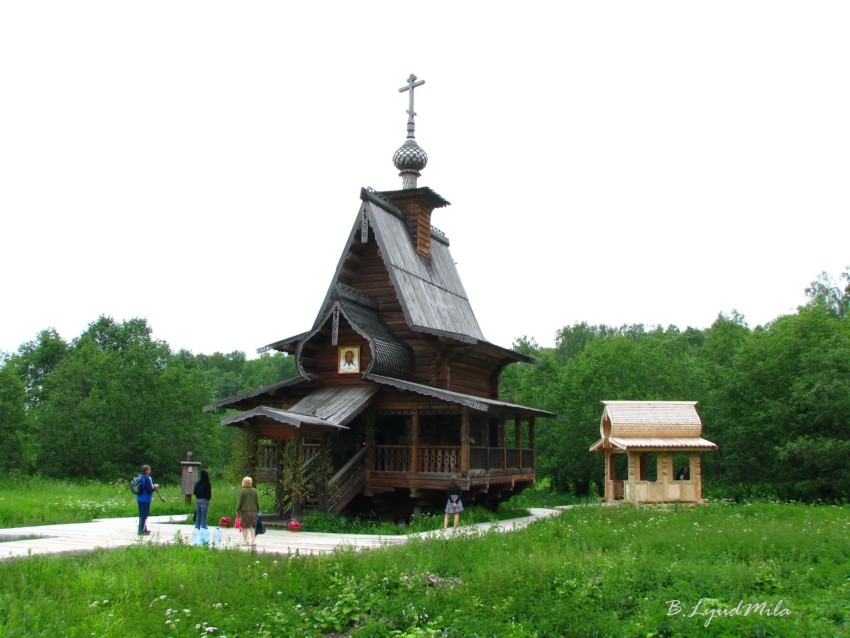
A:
x: 429, y: 289
x: 331, y: 407
x: 431, y: 293
x: 481, y: 404
x: 651, y: 425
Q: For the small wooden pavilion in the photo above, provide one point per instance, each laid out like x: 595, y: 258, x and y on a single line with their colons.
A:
x: 652, y: 451
x: 397, y: 388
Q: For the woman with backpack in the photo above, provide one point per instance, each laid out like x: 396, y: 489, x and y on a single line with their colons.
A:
x: 203, y: 494
x: 146, y: 489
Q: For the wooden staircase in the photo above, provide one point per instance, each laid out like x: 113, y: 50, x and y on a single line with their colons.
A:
x: 346, y: 483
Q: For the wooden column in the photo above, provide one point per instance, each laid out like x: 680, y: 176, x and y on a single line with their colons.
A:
x: 370, y: 458
x: 296, y: 498
x: 531, y: 444
x: 414, y: 442
x: 464, y: 442
x: 665, y: 473
x: 278, y: 472
x: 696, y: 475
x: 518, y: 441
x: 634, y: 475
x: 501, y: 443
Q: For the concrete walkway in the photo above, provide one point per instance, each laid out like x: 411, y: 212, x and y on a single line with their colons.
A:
x: 112, y: 533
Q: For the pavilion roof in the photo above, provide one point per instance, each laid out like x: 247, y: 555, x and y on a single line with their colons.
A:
x: 651, y: 425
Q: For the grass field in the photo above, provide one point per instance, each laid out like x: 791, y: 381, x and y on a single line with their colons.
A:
x: 37, y: 501
x: 762, y: 569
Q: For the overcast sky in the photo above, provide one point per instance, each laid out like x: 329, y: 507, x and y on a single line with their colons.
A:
x: 199, y: 163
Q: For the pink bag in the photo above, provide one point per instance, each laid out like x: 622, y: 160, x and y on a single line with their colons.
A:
x: 238, y: 523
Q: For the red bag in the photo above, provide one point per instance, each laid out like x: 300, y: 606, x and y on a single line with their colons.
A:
x: 238, y: 523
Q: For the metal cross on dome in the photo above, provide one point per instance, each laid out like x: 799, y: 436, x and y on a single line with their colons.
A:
x: 411, y: 84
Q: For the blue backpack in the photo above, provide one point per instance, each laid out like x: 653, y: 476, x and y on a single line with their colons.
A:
x: 136, y: 484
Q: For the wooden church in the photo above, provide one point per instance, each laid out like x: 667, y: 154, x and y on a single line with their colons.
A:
x: 397, y: 388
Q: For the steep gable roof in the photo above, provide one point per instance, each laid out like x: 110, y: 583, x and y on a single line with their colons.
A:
x: 431, y: 293
x: 429, y: 289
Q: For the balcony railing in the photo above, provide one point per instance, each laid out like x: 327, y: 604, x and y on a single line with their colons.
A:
x: 443, y: 459
x: 446, y: 459
x: 267, y: 459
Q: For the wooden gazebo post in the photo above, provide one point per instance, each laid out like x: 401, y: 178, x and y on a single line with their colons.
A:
x: 696, y: 474
x: 634, y: 475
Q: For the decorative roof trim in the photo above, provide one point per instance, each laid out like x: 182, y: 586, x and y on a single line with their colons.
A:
x: 368, y: 193
x: 654, y: 444
x: 347, y: 292
x: 435, y: 198
x: 282, y: 342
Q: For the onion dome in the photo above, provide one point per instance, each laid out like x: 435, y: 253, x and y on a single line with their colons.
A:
x: 409, y: 159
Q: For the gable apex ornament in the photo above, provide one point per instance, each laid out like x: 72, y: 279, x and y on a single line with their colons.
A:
x: 409, y: 159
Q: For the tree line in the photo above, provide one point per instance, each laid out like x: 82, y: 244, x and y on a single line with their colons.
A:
x: 115, y: 397
x: 775, y: 398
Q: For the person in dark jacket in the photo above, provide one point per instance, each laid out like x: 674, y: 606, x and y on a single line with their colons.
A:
x: 144, y: 498
x: 203, y: 494
x: 453, y: 504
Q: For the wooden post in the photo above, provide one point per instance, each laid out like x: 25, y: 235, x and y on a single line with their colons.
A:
x: 518, y: 441
x: 414, y: 442
x: 531, y: 444
x: 696, y: 475
x: 634, y: 474
x: 278, y: 474
x: 464, y: 442
x: 665, y: 474
x: 296, y: 497
x: 501, y: 443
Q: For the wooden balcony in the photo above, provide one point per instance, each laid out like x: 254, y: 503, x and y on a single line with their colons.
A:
x: 392, y: 467
x: 446, y: 459
x: 429, y: 467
